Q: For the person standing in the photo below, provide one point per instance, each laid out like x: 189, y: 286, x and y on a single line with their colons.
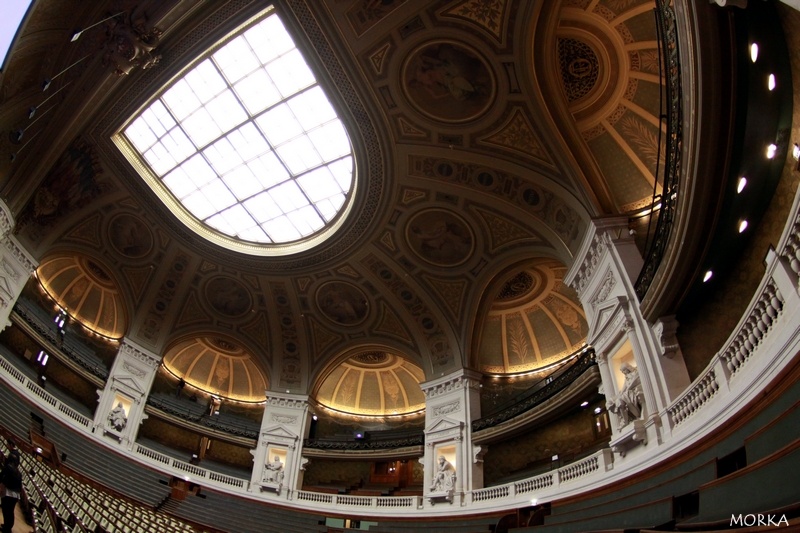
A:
x: 11, y: 479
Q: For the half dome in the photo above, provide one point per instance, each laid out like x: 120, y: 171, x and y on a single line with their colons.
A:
x: 534, y: 321
x: 374, y: 383
x: 217, y: 366
x: 86, y: 291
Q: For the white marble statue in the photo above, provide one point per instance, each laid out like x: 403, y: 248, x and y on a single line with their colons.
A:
x: 628, y: 404
x: 445, y: 476
x: 273, y: 472
x: 117, y: 417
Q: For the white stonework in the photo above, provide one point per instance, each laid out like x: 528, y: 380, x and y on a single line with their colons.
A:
x: 127, y: 387
x: 284, y: 425
x: 451, y: 462
x: 604, y: 274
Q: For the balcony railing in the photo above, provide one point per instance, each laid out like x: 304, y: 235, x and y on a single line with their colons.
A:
x: 665, y: 202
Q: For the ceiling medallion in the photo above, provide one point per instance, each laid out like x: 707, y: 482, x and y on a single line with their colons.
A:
x: 448, y: 81
x: 440, y: 237
x: 371, y: 358
x: 516, y: 287
x: 342, y: 303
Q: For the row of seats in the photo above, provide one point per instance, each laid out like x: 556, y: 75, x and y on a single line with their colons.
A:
x: 78, y: 507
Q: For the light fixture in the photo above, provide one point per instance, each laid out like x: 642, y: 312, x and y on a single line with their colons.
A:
x: 534, y: 501
x: 584, y: 403
x: 742, y: 226
x: 771, y: 150
x: 740, y: 185
x: 771, y: 82
x: 32, y: 110
x: 597, y: 410
x: 77, y: 34
x: 47, y: 81
x: 707, y: 275
x: 754, y: 52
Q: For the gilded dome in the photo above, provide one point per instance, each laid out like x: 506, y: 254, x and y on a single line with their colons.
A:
x: 86, y: 291
x: 374, y: 383
x: 218, y: 366
x: 534, y: 321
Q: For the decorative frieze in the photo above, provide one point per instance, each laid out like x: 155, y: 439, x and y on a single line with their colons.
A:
x: 148, y: 358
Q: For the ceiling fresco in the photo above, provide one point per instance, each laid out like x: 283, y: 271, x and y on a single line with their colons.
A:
x: 473, y: 190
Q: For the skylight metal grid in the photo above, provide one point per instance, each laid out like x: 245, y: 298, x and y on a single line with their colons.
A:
x: 248, y: 142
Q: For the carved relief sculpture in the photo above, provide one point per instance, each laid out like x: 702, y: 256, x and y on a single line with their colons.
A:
x: 129, y: 45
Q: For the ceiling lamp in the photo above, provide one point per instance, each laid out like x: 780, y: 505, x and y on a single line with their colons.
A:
x: 740, y: 185
x: 754, y: 52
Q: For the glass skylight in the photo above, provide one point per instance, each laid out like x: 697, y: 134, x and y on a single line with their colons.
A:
x: 248, y: 142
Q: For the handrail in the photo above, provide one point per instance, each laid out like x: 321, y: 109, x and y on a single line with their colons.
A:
x: 540, y: 392
x: 668, y: 199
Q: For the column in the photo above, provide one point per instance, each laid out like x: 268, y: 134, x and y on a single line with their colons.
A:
x: 16, y: 266
x: 120, y: 410
x: 642, y: 368
x: 277, y: 458
x: 452, y: 464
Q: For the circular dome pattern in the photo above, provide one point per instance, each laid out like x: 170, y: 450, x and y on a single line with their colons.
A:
x: 534, y: 321
x: 130, y: 237
x: 448, y: 81
x: 228, y: 297
x: 218, y: 366
x: 440, y: 237
x: 84, y: 289
x: 342, y: 303
x: 374, y: 383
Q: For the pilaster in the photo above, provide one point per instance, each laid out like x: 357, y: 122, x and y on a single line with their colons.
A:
x: 278, y: 462
x: 642, y: 367
x: 120, y: 409
x: 452, y: 464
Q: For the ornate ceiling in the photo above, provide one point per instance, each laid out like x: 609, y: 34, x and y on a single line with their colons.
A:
x: 486, y: 134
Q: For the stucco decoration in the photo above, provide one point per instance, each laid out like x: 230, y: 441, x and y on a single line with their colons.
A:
x: 130, y: 237
x: 228, y: 297
x: 342, y: 303
x: 440, y: 237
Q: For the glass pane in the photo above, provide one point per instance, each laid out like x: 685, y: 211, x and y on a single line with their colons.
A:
x: 200, y: 127
x: 181, y: 100
x: 205, y: 81
x: 263, y: 207
x: 235, y: 60
x: 249, y: 142
x: 257, y: 92
x: 299, y: 155
x: 242, y: 183
x: 279, y: 125
x: 290, y: 73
